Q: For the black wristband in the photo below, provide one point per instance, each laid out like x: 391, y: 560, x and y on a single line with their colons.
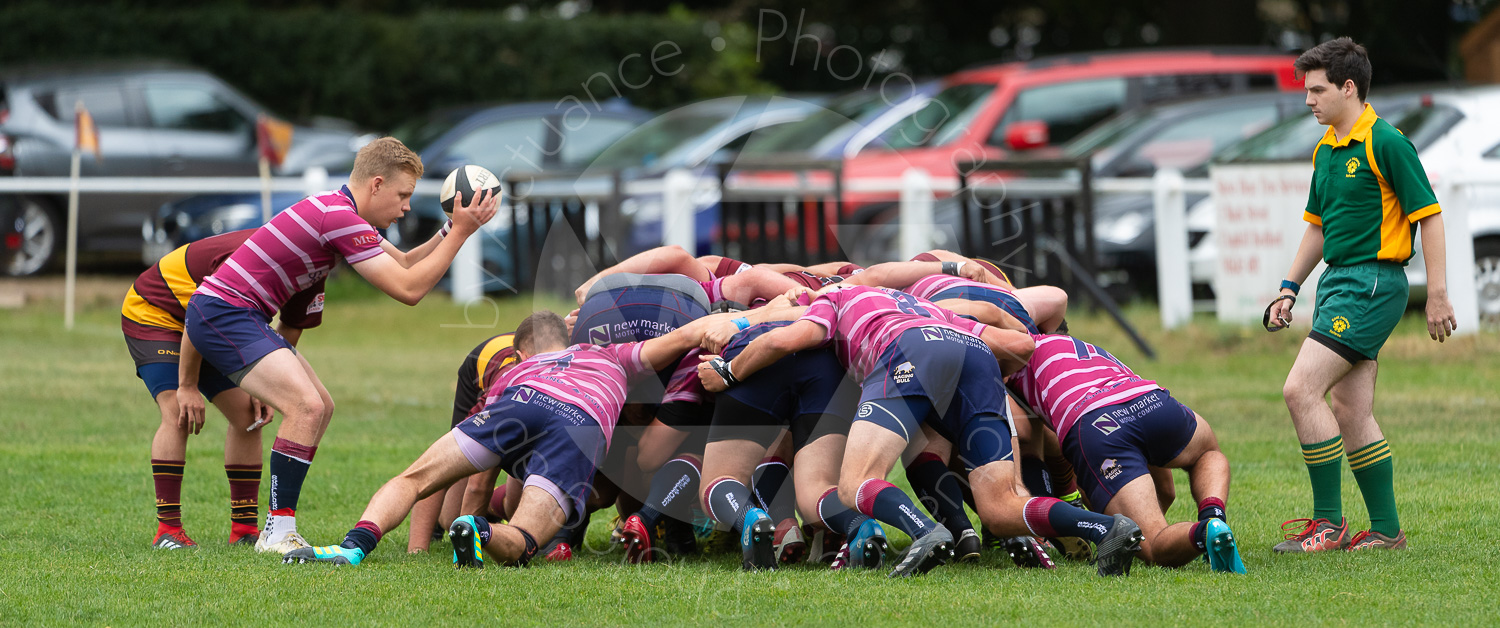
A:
x: 720, y: 366
x: 950, y: 268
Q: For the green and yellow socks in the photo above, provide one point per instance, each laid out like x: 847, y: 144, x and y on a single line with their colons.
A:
x: 1327, y: 477
x: 1373, y: 470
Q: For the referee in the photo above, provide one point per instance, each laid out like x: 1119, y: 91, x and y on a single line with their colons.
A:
x: 1368, y: 196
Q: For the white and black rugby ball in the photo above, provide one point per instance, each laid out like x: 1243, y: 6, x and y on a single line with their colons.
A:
x: 468, y: 181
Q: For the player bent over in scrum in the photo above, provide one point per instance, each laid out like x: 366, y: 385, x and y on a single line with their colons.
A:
x: 1113, y: 424
x: 922, y: 364
x: 548, y: 420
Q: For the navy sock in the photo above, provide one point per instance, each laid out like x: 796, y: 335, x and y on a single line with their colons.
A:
x: 728, y: 500
x: 941, y: 492
x: 883, y: 501
x: 1050, y: 517
x: 773, y: 489
x: 1200, y: 534
x: 1034, y: 476
x: 364, y: 537
x: 1212, y: 508
x: 289, y: 464
x: 672, y: 489
x: 837, y: 517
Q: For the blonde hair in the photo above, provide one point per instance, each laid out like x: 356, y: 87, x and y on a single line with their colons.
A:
x: 382, y: 157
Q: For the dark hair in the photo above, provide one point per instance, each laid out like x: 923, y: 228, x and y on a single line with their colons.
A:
x: 543, y: 329
x: 1342, y: 59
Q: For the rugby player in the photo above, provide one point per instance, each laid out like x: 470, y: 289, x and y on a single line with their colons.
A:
x: 1114, y: 426
x: 178, y: 379
x: 228, y: 316
x: 919, y: 363
x: 1368, y: 195
x: 548, y: 421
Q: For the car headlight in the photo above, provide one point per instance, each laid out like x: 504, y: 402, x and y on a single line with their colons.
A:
x: 229, y: 218
x: 1124, y: 228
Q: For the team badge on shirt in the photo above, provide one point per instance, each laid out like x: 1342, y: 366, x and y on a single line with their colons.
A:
x: 904, y: 373
x: 931, y: 333
x: 1106, y: 424
x: 1351, y: 166
x: 523, y: 395
x: 1111, y: 468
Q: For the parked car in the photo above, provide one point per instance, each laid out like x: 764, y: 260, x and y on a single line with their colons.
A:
x: 842, y: 128
x: 154, y: 120
x: 506, y: 139
x: 994, y: 112
x: 12, y: 232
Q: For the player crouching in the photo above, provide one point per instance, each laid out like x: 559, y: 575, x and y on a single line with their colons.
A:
x: 547, y: 421
x: 1114, y: 426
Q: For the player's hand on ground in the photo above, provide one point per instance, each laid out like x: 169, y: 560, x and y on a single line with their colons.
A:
x: 190, y: 409
x: 1440, y: 320
x: 467, y: 218
x: 710, y: 378
x: 262, y: 413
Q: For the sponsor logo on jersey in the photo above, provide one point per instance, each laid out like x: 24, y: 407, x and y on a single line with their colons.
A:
x: 599, y: 335
x: 931, y: 333
x: 866, y: 409
x: 366, y: 239
x: 316, y: 305
x: 903, y: 373
x: 1106, y: 424
x: 523, y: 395
x: 1111, y: 468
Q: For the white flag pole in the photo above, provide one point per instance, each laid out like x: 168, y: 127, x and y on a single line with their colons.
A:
x: 72, y: 260
x: 265, y: 189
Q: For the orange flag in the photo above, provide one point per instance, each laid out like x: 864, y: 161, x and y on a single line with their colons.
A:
x: 87, y: 132
x: 274, y: 137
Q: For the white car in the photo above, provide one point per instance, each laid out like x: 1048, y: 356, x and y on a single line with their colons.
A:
x: 1457, y: 135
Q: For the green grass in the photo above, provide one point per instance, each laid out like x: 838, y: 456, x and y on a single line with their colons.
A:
x: 76, y: 512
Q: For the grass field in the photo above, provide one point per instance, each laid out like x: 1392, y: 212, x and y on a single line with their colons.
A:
x: 76, y: 512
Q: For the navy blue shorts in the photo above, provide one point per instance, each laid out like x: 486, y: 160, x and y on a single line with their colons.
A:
x: 947, y: 379
x: 635, y: 314
x: 1113, y: 445
x: 807, y: 391
x: 1003, y: 300
x: 230, y: 338
x: 160, y: 376
x: 532, y: 434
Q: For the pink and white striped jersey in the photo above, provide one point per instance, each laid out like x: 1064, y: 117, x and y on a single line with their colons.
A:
x: 714, y: 288
x: 591, y: 377
x: 863, y: 321
x: 1067, y: 378
x: 685, y: 384
x: 294, y: 251
x: 930, y: 285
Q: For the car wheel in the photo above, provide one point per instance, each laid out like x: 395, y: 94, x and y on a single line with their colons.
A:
x: 41, y: 238
x: 1487, y: 280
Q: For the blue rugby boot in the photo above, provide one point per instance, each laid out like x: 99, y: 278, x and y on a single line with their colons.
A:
x: 1223, y: 554
x: 335, y: 554
x: 757, y: 536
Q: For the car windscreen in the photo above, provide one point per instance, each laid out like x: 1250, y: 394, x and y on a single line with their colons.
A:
x: 841, y: 117
x: 420, y: 133
x: 941, y: 119
x: 1296, y: 137
x: 1109, y: 133
x: 1424, y: 125
x: 658, y: 137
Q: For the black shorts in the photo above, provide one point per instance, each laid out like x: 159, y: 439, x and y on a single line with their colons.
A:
x: 735, y: 420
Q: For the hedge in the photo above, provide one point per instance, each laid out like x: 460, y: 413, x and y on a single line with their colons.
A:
x: 378, y: 70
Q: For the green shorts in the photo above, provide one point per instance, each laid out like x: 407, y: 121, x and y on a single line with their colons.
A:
x: 1358, y: 308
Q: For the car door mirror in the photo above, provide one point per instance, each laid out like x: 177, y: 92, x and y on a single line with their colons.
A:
x: 1026, y: 135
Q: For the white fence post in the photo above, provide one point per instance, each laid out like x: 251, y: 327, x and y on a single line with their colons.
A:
x: 1462, y: 293
x: 678, y: 224
x: 314, y: 180
x: 466, y: 273
x: 916, y: 213
x: 1174, y: 285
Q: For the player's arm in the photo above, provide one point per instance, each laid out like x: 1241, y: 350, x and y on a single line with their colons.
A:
x: 756, y: 283
x: 1012, y: 349
x: 407, y: 258
x: 292, y: 334
x: 900, y: 275
x: 660, y: 260
x: 762, y: 352
x: 190, y: 407
x: 984, y: 312
x: 1308, y: 254
x: 409, y: 285
x: 662, y: 351
x: 950, y: 256
x: 720, y: 333
x: 1441, y: 322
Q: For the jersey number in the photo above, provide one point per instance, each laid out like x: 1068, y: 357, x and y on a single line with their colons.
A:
x: 908, y: 303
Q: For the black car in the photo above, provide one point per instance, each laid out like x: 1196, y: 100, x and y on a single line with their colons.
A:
x: 154, y: 120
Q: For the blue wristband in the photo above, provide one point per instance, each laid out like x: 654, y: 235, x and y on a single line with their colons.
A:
x: 1287, y: 284
x: 742, y: 323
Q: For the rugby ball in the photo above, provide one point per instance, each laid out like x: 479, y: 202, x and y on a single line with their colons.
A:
x: 467, y: 181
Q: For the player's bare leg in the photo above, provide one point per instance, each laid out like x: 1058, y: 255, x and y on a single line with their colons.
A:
x: 728, y: 498
x: 941, y: 490
x: 168, y: 459
x: 1165, y: 545
x: 1316, y: 371
x: 1047, y: 306
x: 1166, y: 487
x: 871, y: 452
x: 287, y: 382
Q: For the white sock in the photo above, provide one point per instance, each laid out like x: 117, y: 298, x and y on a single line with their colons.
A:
x: 279, y: 527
